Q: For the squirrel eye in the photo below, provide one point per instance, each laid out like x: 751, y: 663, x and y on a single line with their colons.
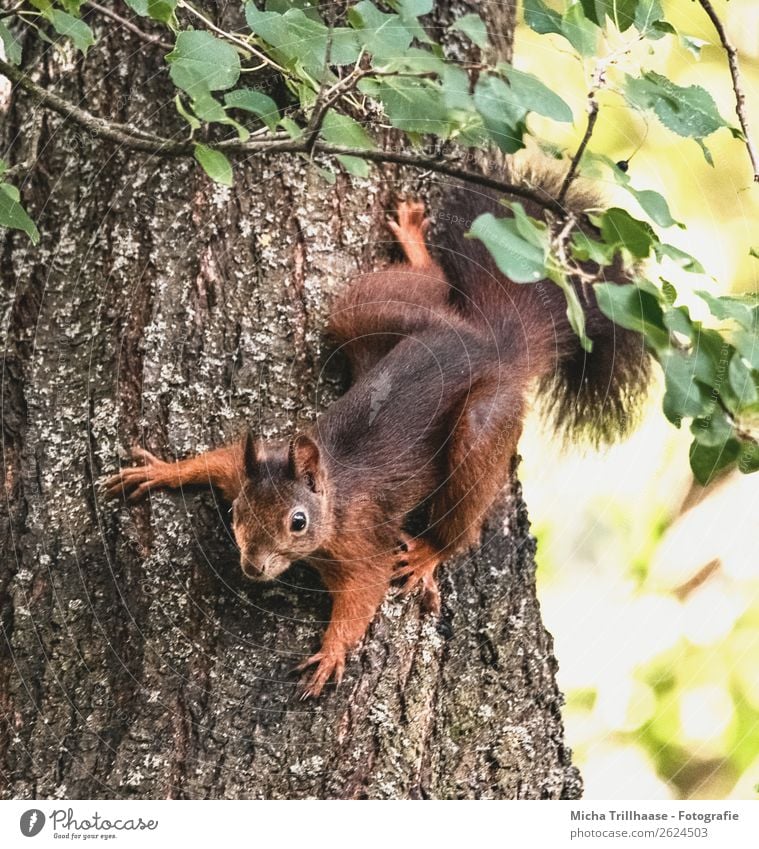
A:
x: 298, y: 521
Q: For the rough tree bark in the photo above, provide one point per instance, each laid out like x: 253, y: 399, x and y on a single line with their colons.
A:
x: 135, y: 662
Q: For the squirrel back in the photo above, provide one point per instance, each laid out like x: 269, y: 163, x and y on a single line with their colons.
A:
x: 593, y: 396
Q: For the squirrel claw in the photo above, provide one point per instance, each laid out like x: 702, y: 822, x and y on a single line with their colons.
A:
x: 330, y: 665
x: 416, y: 568
x: 134, y: 482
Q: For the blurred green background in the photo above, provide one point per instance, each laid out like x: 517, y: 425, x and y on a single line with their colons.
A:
x: 649, y: 583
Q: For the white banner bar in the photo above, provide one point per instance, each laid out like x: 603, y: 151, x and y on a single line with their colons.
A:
x: 353, y: 825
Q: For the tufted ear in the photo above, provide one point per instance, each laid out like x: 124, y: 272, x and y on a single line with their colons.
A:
x: 250, y: 455
x: 304, y: 459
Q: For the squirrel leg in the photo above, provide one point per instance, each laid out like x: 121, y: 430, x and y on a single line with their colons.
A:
x: 410, y: 230
x: 355, y: 600
x: 478, y: 464
x: 380, y: 308
x: 222, y: 468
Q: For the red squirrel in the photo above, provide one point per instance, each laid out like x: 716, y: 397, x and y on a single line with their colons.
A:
x: 442, y: 355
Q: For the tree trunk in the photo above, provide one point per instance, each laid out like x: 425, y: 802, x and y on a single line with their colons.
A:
x: 136, y: 662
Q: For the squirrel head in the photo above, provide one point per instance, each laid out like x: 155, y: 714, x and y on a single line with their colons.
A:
x: 282, y: 512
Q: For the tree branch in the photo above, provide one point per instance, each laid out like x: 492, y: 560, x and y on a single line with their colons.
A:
x: 135, y: 139
x: 145, y: 36
x: 740, y: 97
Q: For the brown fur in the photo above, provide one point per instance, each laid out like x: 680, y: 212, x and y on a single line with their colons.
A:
x: 428, y: 429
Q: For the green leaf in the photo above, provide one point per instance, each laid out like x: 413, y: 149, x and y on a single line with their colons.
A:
x: 688, y: 111
x: 529, y: 228
x: 519, y: 259
x: 647, y: 15
x: 684, y: 260
x: 291, y: 128
x: 412, y: 8
x: 343, y: 130
x: 594, y: 10
x: 743, y: 382
x: 707, y: 461
x: 140, y: 7
x: 73, y: 7
x: 742, y: 310
x: 412, y: 105
x: 541, y: 18
x: 586, y: 249
x: 474, y: 28
x: 581, y: 33
x: 188, y: 116
x: 410, y: 11
x: 618, y: 227
x: 11, y: 45
x: 355, y: 166
x: 415, y: 60
x: 685, y: 396
x: 383, y: 35
x: 71, y: 27
x: 651, y: 202
x: 207, y: 108
x: 535, y: 96
x: 158, y: 10
x: 300, y: 42
x: 250, y: 100
x: 630, y: 306
x: 575, y: 313
x: 623, y: 13
x: 713, y: 430
x: 748, y: 461
x: 162, y: 10
x: 215, y: 164
x: 502, y: 113
x: 13, y: 215
x: 200, y: 63
x: 669, y: 292
x: 655, y: 206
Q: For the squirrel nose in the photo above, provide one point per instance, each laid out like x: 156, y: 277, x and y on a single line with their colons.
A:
x: 251, y: 569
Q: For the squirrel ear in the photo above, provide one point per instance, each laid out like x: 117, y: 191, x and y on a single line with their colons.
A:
x: 304, y: 459
x: 250, y: 457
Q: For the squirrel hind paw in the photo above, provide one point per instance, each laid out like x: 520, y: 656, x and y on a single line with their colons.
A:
x: 411, y: 216
x: 417, y: 562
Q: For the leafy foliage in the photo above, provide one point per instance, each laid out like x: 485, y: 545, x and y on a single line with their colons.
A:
x: 338, y: 82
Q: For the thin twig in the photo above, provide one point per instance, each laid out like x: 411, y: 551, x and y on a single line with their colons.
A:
x: 318, y: 113
x: 740, y: 97
x: 326, y: 100
x: 592, y: 118
x: 273, y: 144
x: 17, y: 170
x: 145, y: 36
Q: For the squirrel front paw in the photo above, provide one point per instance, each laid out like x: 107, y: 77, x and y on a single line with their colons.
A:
x: 330, y: 664
x: 417, y: 561
x: 136, y: 481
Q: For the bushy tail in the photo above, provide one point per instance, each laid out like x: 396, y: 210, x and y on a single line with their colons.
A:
x: 593, y: 396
